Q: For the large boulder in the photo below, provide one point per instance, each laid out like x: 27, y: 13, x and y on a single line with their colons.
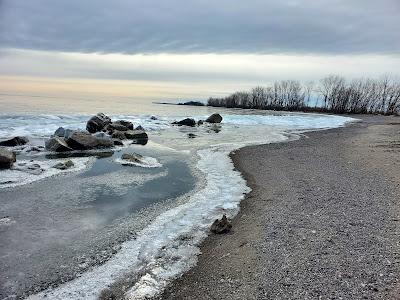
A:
x: 214, y: 118
x: 57, y: 144
x: 97, y: 123
x: 136, y: 135
x: 7, y: 158
x: 115, y: 126
x: 15, y: 141
x: 221, y: 226
x: 118, y: 135
x: 63, y: 132
x: 185, y: 122
x: 81, y: 140
x: 127, y: 124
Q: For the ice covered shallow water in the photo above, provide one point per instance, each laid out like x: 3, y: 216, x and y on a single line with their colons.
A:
x: 168, y: 246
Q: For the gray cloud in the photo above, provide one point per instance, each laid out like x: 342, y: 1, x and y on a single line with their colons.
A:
x: 200, y: 26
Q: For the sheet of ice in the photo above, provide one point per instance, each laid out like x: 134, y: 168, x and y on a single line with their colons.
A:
x: 28, y: 171
x: 168, y: 247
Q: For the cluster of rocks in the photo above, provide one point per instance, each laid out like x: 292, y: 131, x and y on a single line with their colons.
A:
x: 101, y: 133
x: 214, y: 118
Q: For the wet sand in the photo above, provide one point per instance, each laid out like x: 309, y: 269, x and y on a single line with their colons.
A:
x: 322, y: 221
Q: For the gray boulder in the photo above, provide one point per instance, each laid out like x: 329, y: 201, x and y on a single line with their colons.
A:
x: 139, y: 128
x: 214, y: 118
x: 82, y: 140
x: 120, y: 135
x: 185, y: 122
x: 221, y: 226
x: 57, y: 144
x: 64, y: 165
x: 62, y: 132
x: 15, y: 141
x: 97, y: 123
x: 118, y: 142
x: 127, y: 124
x: 136, y: 135
x: 7, y: 158
x: 115, y: 126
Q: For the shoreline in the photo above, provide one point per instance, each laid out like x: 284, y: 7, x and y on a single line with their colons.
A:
x: 246, y: 264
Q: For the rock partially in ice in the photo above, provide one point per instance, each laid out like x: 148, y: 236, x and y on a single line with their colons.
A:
x: 30, y: 167
x: 81, y: 140
x: 57, y: 144
x: 97, y: 123
x: 15, y: 141
x: 134, y: 159
x: 221, y: 226
x: 214, y: 118
x: 7, y: 158
x: 64, y: 165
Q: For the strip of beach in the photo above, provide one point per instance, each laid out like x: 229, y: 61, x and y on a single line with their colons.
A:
x: 322, y: 221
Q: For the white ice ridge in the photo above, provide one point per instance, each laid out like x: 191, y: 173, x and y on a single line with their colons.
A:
x: 169, y: 246
x: 28, y: 171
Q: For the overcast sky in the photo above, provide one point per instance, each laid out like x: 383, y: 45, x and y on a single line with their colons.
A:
x: 251, y: 26
x: 256, y: 40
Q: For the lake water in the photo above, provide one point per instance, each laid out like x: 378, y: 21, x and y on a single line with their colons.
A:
x: 73, y: 234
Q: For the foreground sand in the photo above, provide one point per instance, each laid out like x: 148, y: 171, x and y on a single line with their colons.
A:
x: 322, y: 221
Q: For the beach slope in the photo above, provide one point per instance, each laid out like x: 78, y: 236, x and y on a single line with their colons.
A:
x: 322, y: 221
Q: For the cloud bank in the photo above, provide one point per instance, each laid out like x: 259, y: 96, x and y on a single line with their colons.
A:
x: 200, y: 26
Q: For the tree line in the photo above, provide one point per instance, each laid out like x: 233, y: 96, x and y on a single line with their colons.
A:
x: 332, y: 94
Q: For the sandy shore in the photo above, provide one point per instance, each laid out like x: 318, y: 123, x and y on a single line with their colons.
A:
x: 322, y: 221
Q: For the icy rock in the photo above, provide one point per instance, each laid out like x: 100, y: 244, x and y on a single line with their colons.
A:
x: 7, y: 158
x: 15, y: 141
x: 221, y: 226
x: 185, y: 122
x: 64, y: 165
x: 97, y: 123
x: 214, y: 118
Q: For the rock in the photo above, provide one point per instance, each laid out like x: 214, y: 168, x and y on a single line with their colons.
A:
x: 117, y: 142
x: 191, y: 135
x: 153, y: 118
x: 186, y: 122
x: 214, y: 118
x: 64, y: 165
x: 140, y: 128
x: 127, y: 124
x: 57, y: 144
x: 7, y: 158
x: 136, y: 135
x: 132, y: 157
x: 62, y: 132
x: 81, y: 140
x: 115, y: 126
x: 31, y: 168
x: 15, y: 141
x: 97, y: 123
x: 118, y: 135
x: 221, y: 226
x: 200, y: 122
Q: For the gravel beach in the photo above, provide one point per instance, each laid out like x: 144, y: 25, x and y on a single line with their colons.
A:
x: 322, y: 221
